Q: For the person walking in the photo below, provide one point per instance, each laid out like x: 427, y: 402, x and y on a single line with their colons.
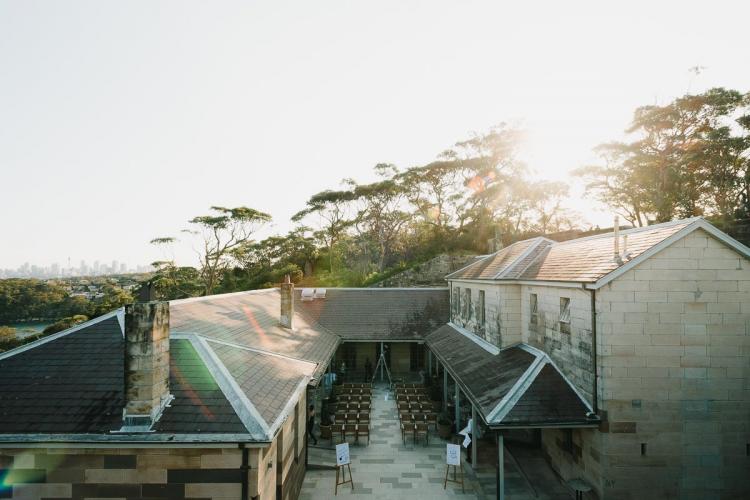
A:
x: 311, y: 424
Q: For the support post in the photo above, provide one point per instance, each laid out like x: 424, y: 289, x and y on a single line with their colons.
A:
x: 383, y: 358
x: 429, y: 362
x: 500, y: 468
x: 445, y: 390
x: 458, y: 407
x: 474, y: 437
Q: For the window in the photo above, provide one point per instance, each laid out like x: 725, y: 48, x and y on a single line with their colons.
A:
x: 481, y: 316
x: 467, y: 304
x: 533, y: 308
x: 456, y: 302
x: 564, y: 314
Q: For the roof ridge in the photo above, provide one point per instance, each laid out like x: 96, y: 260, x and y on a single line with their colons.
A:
x: 220, y: 296
x: 633, y: 230
x: 254, y: 349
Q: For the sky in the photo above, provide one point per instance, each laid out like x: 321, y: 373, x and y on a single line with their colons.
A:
x: 119, y: 121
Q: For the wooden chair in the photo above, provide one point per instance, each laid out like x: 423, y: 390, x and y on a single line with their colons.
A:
x: 350, y: 418
x: 348, y: 429
x: 340, y: 418
x: 408, y: 428
x: 403, y: 406
x: 363, y: 429
x: 363, y: 418
x: 326, y: 433
x: 364, y: 407
x: 404, y: 416
x: 421, y: 429
x: 431, y: 419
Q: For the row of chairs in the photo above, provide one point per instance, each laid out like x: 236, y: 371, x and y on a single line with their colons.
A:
x: 411, y: 391
x: 347, y: 407
x: 424, y: 406
x: 360, y: 386
x: 350, y: 398
x: 407, y: 386
x: 403, y: 398
x: 355, y: 391
x: 344, y: 418
x: 427, y: 418
x: 416, y: 430
x: 355, y: 429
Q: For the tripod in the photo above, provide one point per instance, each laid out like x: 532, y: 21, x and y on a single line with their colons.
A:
x: 381, y: 363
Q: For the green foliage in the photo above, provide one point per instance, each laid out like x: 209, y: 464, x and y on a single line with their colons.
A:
x: 689, y: 157
x: 31, y: 299
x: 65, y: 323
x: 7, y: 333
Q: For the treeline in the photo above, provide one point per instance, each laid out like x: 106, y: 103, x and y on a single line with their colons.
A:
x: 355, y: 235
x: 31, y: 299
x: 687, y: 158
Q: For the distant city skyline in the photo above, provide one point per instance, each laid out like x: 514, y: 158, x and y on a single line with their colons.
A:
x: 57, y: 270
x: 118, y: 124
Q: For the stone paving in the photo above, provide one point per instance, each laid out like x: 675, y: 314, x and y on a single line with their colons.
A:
x: 388, y: 468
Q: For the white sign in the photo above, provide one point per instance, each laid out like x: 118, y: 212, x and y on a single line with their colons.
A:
x: 453, y: 455
x: 342, y: 454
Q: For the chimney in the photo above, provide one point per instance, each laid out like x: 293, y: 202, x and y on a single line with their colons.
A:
x: 617, y: 238
x: 287, y: 303
x: 625, y: 247
x: 146, y: 364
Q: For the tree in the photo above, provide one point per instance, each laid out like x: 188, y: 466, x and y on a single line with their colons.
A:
x: 332, y: 208
x: 690, y: 157
x: 220, y: 234
x: 170, y: 281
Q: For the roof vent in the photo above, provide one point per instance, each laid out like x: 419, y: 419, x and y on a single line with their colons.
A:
x: 320, y: 293
x: 308, y: 294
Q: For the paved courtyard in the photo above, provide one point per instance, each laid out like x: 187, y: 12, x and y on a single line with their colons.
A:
x: 388, y: 468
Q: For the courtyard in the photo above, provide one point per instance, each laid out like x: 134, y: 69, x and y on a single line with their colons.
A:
x: 389, y: 468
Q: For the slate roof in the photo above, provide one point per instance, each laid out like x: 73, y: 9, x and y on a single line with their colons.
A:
x: 251, y: 319
x: 589, y: 259
x: 584, y: 260
x: 378, y: 314
x: 494, y: 265
x: 270, y: 382
x: 70, y: 385
x: 516, y: 386
x: 75, y: 385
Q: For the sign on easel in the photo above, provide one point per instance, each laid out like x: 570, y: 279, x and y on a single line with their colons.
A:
x: 342, y: 465
x: 453, y: 456
x: 342, y: 454
x: 453, y: 459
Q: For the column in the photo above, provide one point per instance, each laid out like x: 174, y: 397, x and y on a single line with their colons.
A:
x: 429, y: 363
x: 445, y: 390
x: 500, y: 468
x: 474, y: 437
x: 458, y: 407
x: 382, y: 361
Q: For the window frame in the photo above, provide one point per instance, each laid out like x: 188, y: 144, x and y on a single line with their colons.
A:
x: 564, y: 317
x: 481, y: 304
x: 533, y: 308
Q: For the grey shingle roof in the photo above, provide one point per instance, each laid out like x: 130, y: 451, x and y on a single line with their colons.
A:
x: 518, y: 386
x: 251, y: 319
x: 75, y: 385
x: 199, y: 404
x: 70, y: 385
x: 584, y: 260
x: 378, y: 313
x: 270, y: 382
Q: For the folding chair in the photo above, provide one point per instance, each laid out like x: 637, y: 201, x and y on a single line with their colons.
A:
x: 363, y: 429
x: 421, y: 429
x: 408, y: 428
x: 348, y: 429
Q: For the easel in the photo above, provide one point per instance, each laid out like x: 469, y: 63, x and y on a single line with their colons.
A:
x: 343, y: 477
x: 381, y: 363
x: 454, y: 480
x: 453, y: 459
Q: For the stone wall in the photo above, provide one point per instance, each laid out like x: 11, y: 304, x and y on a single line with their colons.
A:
x: 502, y: 311
x: 430, y: 273
x: 676, y: 374
x: 133, y: 473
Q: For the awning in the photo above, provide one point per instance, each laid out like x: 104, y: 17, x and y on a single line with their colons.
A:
x: 519, y: 386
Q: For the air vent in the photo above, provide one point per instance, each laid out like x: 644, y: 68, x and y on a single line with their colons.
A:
x: 308, y: 294
x: 320, y: 293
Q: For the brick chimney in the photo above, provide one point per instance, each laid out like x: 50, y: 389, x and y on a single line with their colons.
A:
x: 146, y: 364
x: 287, y: 303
